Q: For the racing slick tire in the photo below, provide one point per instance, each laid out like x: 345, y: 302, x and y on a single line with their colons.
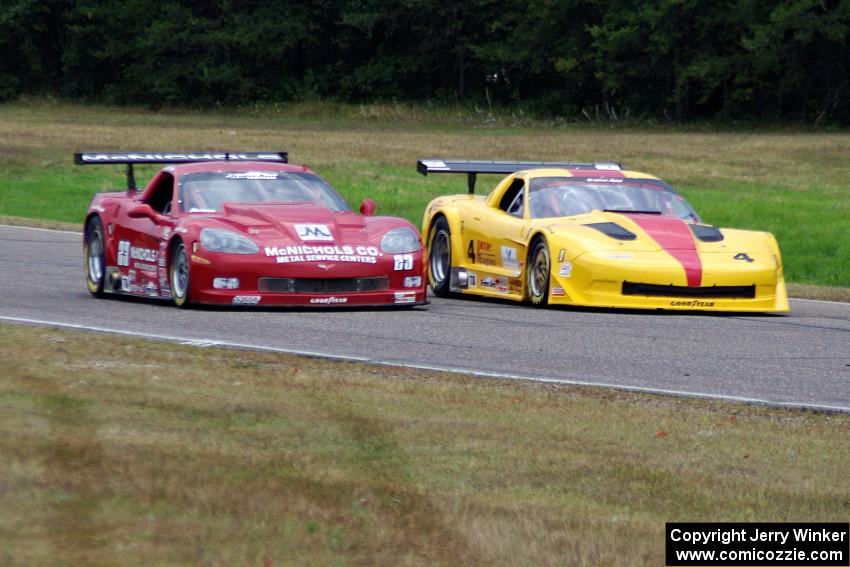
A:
x: 537, y: 276
x: 94, y: 256
x: 179, y: 275
x: 440, y: 257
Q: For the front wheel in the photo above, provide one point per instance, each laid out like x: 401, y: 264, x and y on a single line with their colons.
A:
x: 179, y: 275
x: 440, y: 257
x: 538, y: 273
x: 93, y: 254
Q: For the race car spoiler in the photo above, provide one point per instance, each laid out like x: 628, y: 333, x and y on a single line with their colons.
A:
x: 473, y: 168
x: 130, y: 158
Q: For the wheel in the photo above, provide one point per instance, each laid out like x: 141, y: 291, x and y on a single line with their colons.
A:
x: 94, y: 257
x: 538, y: 273
x: 440, y: 257
x: 179, y: 275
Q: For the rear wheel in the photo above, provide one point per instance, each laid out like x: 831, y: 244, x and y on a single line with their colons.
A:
x: 537, y: 276
x: 440, y: 257
x: 94, y: 256
x: 179, y: 274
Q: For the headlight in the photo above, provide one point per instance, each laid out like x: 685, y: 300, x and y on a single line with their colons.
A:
x: 400, y: 241
x: 219, y: 240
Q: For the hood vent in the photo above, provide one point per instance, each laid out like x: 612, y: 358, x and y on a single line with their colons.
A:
x: 706, y: 233
x: 613, y: 230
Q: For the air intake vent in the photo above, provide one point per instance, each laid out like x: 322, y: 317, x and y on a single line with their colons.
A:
x: 706, y: 233
x: 318, y: 285
x: 718, y: 291
x: 613, y: 230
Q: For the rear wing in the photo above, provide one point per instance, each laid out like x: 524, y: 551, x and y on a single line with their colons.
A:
x: 130, y: 158
x: 473, y: 168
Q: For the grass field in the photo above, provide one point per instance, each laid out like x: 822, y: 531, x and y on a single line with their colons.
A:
x: 115, y: 451
x: 789, y: 182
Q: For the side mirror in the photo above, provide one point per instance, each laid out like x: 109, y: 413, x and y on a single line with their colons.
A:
x: 368, y: 207
x: 142, y: 210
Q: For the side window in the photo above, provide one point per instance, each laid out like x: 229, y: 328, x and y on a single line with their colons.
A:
x: 160, y: 199
x: 512, y: 200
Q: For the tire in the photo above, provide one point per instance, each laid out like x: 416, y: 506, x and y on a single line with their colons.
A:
x: 94, y: 256
x: 179, y: 274
x: 440, y: 257
x: 537, y: 276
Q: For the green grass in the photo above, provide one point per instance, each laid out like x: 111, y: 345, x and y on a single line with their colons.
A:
x: 790, y: 182
x: 139, y: 453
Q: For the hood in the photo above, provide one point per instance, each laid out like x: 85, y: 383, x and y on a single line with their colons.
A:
x: 299, y: 222
x: 674, y: 237
x: 641, y: 232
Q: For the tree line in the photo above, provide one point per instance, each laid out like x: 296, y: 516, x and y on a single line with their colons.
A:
x: 675, y: 59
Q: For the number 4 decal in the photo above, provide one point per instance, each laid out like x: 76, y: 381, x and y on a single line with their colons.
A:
x: 470, y: 252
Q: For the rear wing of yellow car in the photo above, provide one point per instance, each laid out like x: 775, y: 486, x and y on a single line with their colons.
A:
x: 473, y: 168
x: 130, y: 158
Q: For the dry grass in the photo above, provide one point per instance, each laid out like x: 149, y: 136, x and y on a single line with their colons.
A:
x: 138, y: 453
x: 53, y: 131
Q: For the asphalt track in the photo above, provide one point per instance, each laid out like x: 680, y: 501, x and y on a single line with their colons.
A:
x: 801, y: 359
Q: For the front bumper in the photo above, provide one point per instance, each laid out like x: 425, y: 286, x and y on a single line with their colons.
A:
x: 652, y: 280
x: 309, y: 284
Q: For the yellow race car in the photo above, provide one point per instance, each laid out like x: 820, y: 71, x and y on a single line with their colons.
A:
x: 592, y: 234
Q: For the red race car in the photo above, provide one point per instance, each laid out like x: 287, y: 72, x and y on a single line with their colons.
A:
x: 244, y: 229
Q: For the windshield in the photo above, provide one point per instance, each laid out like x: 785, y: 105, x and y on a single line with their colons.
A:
x: 569, y: 196
x: 207, y: 191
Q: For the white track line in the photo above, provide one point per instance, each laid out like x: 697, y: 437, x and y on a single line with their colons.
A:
x: 42, y: 229
x: 202, y: 343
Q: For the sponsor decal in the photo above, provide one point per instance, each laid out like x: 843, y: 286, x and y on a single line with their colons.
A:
x: 514, y: 285
x: 144, y: 267
x: 246, y: 299
x: 151, y: 290
x: 488, y: 282
x: 608, y: 166
x: 125, y: 284
x: 164, y: 287
x: 181, y: 230
x: 561, y: 255
x: 435, y: 165
x: 485, y: 254
x: 335, y: 253
x: 691, y: 303
x: 166, y: 232
x: 124, y: 253
x: 503, y: 285
x: 200, y: 259
x: 106, y: 158
x: 402, y: 262
x: 404, y: 297
x: 604, y: 180
x: 147, y: 257
x: 314, y: 232
x: 509, y: 258
x: 619, y: 256
x: 566, y: 270
x: 471, y: 280
x: 743, y: 256
x: 256, y: 175
x: 558, y: 291
x: 328, y: 300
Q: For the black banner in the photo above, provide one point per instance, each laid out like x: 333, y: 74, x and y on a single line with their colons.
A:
x: 743, y: 544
